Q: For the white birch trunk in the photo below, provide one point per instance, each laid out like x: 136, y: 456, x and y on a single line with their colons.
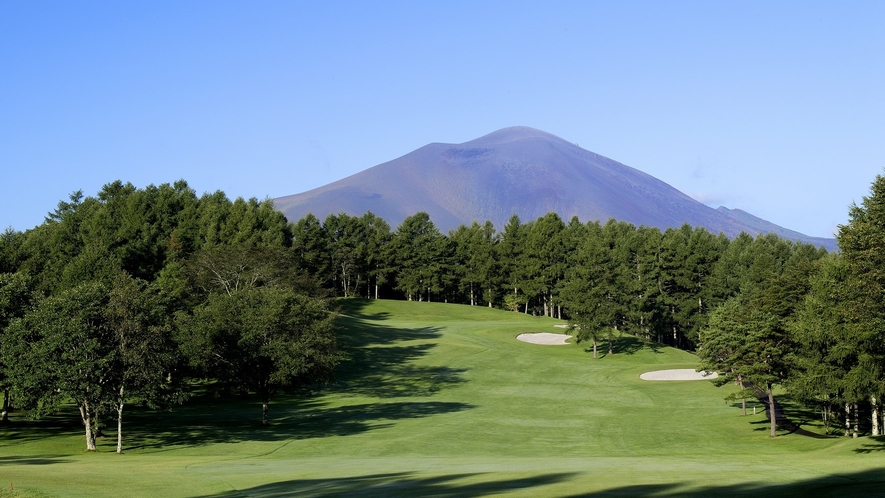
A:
x: 855, y: 421
x: 4, y: 417
x: 87, y: 424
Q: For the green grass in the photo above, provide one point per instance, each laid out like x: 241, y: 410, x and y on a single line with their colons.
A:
x: 441, y: 400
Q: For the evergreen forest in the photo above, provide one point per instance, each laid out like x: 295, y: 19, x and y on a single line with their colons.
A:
x: 136, y: 295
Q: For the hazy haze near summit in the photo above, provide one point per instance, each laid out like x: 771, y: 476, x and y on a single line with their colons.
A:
x: 771, y: 107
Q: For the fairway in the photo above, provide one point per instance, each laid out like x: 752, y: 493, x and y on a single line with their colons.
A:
x: 442, y: 400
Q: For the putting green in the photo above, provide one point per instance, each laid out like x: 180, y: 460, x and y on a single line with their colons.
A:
x: 440, y: 400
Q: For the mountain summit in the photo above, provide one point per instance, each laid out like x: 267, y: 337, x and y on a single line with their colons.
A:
x: 521, y: 171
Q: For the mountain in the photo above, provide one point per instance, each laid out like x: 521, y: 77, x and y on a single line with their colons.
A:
x: 521, y: 171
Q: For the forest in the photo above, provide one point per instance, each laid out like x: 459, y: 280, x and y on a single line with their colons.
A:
x: 134, y: 296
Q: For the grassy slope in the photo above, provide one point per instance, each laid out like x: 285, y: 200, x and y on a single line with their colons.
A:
x: 442, y: 400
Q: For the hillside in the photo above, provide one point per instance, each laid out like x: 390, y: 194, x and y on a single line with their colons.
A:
x: 519, y: 171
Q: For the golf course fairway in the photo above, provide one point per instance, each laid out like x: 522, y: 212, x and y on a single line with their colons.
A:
x: 442, y: 400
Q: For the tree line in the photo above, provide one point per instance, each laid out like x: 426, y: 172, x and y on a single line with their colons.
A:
x: 123, y: 297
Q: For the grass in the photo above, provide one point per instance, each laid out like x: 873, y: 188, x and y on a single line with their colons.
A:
x: 441, y: 400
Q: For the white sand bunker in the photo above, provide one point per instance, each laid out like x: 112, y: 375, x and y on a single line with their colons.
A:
x: 678, y: 374
x: 545, y: 338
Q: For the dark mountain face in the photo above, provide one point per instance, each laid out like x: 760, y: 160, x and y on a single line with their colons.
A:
x: 519, y: 171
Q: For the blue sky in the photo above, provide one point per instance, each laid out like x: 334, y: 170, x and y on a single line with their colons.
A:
x: 777, y: 108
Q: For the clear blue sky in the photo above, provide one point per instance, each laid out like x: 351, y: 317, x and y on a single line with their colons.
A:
x: 777, y: 108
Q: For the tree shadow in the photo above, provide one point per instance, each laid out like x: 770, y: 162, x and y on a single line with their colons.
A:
x: 221, y: 421
x: 380, y: 362
x: 625, y: 344
x: 863, y: 483
x: 789, y: 416
x: 32, y: 460
x: 396, y: 484
x: 21, y: 429
x: 355, y: 306
x: 877, y: 443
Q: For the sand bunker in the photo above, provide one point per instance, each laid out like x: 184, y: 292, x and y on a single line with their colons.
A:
x: 545, y: 338
x: 678, y: 374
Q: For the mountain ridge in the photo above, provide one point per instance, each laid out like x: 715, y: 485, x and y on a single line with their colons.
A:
x: 524, y: 171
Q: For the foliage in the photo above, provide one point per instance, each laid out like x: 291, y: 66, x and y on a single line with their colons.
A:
x: 262, y: 340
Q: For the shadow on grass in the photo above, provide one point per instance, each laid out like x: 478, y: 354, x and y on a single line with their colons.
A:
x: 624, y: 344
x: 209, y: 421
x: 396, y: 484
x: 380, y: 363
x: 628, y: 344
x: 32, y: 460
x: 21, y: 429
x: 876, y: 444
x: 864, y: 483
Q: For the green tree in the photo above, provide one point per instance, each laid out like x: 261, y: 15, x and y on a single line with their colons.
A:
x: 591, y: 296
x: 310, y: 245
x: 146, y: 358
x: 825, y: 352
x: 64, y: 349
x: 474, y: 248
x: 862, y: 245
x: 262, y: 340
x: 16, y: 295
x: 378, y: 238
x: 687, y: 259
x: 347, y: 249
x: 510, y: 252
x: 10, y: 241
x: 745, y: 344
x: 640, y: 280
x: 546, y: 259
x: 421, y: 257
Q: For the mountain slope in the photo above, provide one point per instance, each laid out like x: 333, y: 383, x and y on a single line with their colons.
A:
x: 519, y: 171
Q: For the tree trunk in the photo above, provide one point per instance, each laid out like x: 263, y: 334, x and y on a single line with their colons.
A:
x: 376, y: 288
x: 4, y: 417
x: 847, y: 419
x: 825, y: 414
x: 856, y: 418
x: 772, y: 413
x: 87, y: 423
x: 740, y: 380
x: 610, y: 349
x: 874, y: 404
x: 120, y: 428
x: 594, y: 349
x: 264, y: 402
